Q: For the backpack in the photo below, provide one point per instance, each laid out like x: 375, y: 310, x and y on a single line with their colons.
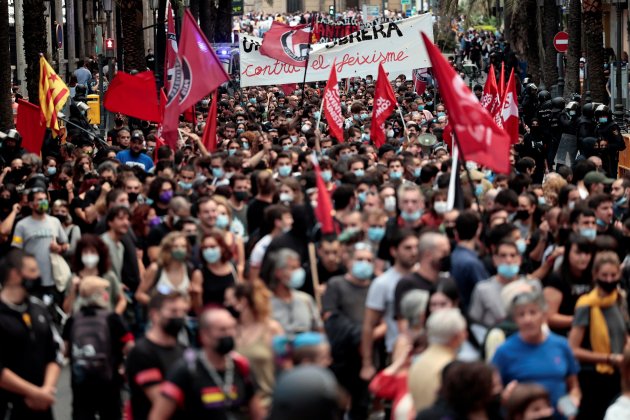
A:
x: 91, y: 343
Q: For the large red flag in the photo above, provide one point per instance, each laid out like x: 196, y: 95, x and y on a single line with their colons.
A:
x: 384, y: 105
x: 198, y: 72
x: 31, y: 125
x: 170, y: 56
x: 133, y: 95
x: 509, y: 110
x: 324, y: 209
x: 481, y: 140
x: 288, y: 44
x: 209, y: 138
x: 332, y: 105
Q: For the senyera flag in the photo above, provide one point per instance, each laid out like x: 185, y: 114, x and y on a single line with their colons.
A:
x: 509, y: 110
x: 170, y: 57
x: 384, y: 105
x: 287, y: 44
x: 53, y: 94
x: 332, y: 105
x: 198, y: 72
x: 480, y: 139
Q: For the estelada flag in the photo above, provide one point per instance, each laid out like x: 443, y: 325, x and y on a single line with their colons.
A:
x: 133, y: 95
x: 479, y: 138
x: 287, y: 44
x: 53, y: 94
x: 31, y: 126
x: 384, y: 105
x: 332, y: 105
x: 198, y: 72
x: 170, y: 57
x: 509, y: 110
x: 209, y: 138
x: 324, y: 209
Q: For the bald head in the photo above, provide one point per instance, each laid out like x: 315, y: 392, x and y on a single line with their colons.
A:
x: 431, y: 241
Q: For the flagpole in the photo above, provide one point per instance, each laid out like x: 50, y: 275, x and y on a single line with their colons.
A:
x: 463, y: 162
x: 308, y: 57
x: 404, y: 125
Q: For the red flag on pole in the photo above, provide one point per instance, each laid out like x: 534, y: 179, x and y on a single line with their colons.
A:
x: 287, y: 44
x: 509, y: 110
x: 198, y: 72
x: 209, y: 138
x: 133, y: 95
x: 502, y: 81
x: 332, y: 105
x: 480, y: 139
x: 490, y: 99
x: 324, y: 209
x: 170, y: 56
x: 384, y: 105
x: 31, y: 125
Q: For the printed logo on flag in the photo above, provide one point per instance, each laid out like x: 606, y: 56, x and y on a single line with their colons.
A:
x: 181, y: 81
x: 295, y: 44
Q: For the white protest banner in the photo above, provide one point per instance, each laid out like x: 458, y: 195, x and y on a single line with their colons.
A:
x: 397, y: 44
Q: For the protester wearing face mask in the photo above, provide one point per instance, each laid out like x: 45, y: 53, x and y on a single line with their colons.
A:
x: 134, y: 156
x: 95, y: 391
x: 29, y: 368
x: 218, y: 273
x: 598, y: 337
x: 602, y: 205
x: 60, y: 210
x: 294, y: 310
x: 435, y: 216
x: 214, y: 373
x: 155, y: 352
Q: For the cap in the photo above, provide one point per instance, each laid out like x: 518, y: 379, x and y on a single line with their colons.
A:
x: 595, y: 177
x: 137, y: 135
x: 385, y: 148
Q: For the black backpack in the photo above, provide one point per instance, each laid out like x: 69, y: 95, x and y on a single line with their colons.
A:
x: 91, y: 343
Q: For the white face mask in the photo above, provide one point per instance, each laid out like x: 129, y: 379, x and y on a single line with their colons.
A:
x: 440, y: 207
x: 390, y: 133
x: 389, y: 203
x: 90, y: 260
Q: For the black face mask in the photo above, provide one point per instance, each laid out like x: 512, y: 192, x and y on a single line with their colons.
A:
x: 192, y: 240
x: 5, y: 203
x: 563, y: 235
x: 118, y: 121
x: 31, y: 285
x: 224, y: 345
x: 607, y: 286
x: 62, y: 218
x: 521, y: 215
x: 133, y: 197
x: 173, y: 326
x: 233, y: 311
x: 443, y: 264
x: 450, y: 232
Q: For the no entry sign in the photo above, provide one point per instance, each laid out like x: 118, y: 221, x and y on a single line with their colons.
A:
x: 561, y: 41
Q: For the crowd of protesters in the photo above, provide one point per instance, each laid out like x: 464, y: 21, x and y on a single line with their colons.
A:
x: 193, y: 284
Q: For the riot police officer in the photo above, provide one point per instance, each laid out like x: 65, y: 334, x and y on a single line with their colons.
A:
x: 567, y: 149
x: 555, y: 131
x: 529, y: 103
x: 586, y: 136
x: 609, y: 140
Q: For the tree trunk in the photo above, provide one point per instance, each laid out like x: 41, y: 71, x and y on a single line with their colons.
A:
x: 208, y: 18
x: 6, y: 112
x: 550, y: 28
x: 34, y: 44
x: 194, y: 9
x: 224, y: 22
x: 572, y: 77
x: 524, y: 36
x: 132, y: 39
x: 593, y: 30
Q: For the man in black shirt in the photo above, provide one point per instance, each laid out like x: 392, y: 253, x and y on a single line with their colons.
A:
x: 214, y: 383
x: 158, y: 350
x: 28, y: 353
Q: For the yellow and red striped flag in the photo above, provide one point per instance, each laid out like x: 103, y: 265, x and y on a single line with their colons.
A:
x: 53, y: 94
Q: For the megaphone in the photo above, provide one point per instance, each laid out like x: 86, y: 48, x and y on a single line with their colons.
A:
x: 427, y: 141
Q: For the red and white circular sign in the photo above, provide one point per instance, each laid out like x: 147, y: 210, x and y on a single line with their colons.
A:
x: 561, y: 41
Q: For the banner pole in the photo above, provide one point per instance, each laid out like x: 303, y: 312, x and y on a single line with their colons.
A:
x: 308, y: 57
x: 402, y: 119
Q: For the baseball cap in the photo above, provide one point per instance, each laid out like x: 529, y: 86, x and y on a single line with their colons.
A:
x: 595, y: 177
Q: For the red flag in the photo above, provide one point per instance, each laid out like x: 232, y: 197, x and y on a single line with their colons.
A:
x: 133, y: 95
x: 509, y: 110
x: 502, y: 81
x: 31, y: 125
x: 170, y: 56
x: 419, y: 85
x: 209, y: 138
x: 324, y: 209
x: 480, y: 139
x: 198, y: 72
x: 490, y: 99
x: 190, y: 115
x: 288, y: 88
x: 332, y: 105
x: 287, y: 44
x: 384, y: 105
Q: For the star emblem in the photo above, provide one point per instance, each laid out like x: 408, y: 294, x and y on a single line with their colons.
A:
x: 52, y: 77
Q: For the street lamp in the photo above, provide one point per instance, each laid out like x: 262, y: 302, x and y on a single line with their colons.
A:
x: 560, y: 56
x: 620, y: 5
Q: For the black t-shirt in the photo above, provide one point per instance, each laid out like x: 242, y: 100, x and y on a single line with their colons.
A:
x: 413, y: 281
x: 571, y: 289
x: 156, y: 234
x: 214, y: 286
x: 27, y: 345
x: 255, y: 213
x: 191, y: 386
x: 147, y: 365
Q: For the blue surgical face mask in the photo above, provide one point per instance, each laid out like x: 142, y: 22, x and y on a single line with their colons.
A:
x: 417, y: 172
x: 231, y: 152
x: 429, y: 103
x: 411, y: 217
x: 521, y: 245
x: 252, y: 100
x: 245, y: 145
x: 297, y: 278
x: 364, y: 116
x: 601, y: 223
x: 362, y: 270
x: 222, y: 221
x: 51, y: 170
x: 218, y: 172
x: 572, y: 113
x: 441, y: 114
x: 185, y: 185
x: 509, y: 271
x: 588, y: 233
x: 362, y: 196
x: 395, y: 175
x: 478, y: 190
x: 420, y: 107
x: 365, y: 137
x: 359, y: 173
x: 542, y: 201
x: 284, y: 170
x: 316, y: 115
x: 326, y: 175
x: 212, y: 255
x: 376, y: 233
x: 603, y: 120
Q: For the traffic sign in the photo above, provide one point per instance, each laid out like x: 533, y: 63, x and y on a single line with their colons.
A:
x: 561, y: 42
x: 109, y: 44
